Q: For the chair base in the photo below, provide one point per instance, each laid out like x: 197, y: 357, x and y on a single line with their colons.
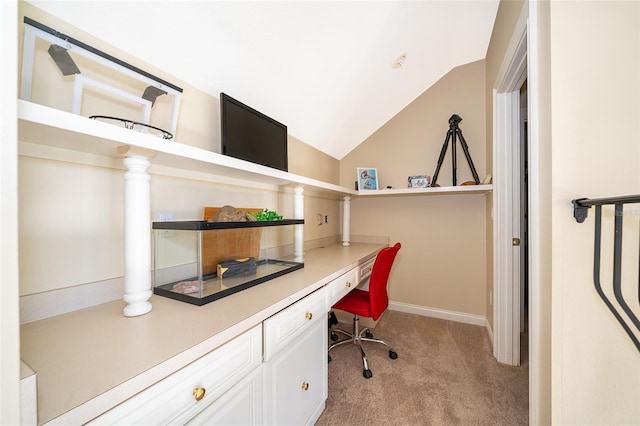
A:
x: 356, y: 337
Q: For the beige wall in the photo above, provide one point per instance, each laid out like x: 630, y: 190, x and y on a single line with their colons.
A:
x: 410, y: 143
x: 307, y: 161
x: 80, y: 196
x: 199, y: 113
x: 442, y: 262
x: 595, y: 129
x: 199, y: 117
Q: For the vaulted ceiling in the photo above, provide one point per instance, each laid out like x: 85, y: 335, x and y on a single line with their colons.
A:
x: 329, y: 70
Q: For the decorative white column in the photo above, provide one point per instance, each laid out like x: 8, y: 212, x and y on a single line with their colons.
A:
x: 346, y: 220
x: 298, y: 213
x: 137, y: 231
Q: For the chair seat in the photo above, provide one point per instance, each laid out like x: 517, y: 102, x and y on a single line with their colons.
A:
x: 356, y: 302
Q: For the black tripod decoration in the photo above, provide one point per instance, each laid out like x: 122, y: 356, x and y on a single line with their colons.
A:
x: 453, y: 133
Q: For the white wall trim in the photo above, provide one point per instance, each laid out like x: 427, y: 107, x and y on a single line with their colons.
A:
x: 47, y: 304
x: 506, y: 113
x: 513, y: 54
x: 489, y: 331
x: 9, y: 271
x: 439, y: 313
x: 539, y: 392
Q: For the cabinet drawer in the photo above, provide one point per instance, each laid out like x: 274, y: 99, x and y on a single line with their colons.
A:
x: 241, y: 405
x: 339, y: 287
x: 364, y: 270
x: 282, y: 328
x: 172, y: 399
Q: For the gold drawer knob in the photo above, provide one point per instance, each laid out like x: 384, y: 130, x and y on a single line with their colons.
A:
x: 348, y: 284
x: 308, y: 315
x: 198, y: 393
x: 305, y: 386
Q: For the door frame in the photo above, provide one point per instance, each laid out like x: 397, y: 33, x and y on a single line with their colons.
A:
x: 523, y: 50
x: 506, y: 198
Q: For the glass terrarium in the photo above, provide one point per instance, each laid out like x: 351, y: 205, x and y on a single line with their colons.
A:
x: 200, y: 261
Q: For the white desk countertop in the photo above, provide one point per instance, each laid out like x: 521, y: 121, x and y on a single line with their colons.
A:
x: 90, y: 360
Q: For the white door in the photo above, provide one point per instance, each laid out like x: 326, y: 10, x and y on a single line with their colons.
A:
x: 507, y: 229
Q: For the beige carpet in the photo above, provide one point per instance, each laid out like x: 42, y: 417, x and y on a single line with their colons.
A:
x: 444, y: 375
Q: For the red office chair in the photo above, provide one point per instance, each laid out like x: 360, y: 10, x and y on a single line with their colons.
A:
x: 369, y: 304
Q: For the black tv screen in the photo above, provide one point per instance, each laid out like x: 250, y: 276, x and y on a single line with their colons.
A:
x: 252, y: 136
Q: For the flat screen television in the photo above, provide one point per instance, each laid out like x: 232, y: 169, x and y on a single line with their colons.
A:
x: 252, y: 136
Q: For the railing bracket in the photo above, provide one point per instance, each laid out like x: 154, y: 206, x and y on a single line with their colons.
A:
x: 619, y: 304
x: 580, y: 212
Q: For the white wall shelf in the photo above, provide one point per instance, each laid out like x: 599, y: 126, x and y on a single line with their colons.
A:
x: 43, y: 125
x: 440, y: 190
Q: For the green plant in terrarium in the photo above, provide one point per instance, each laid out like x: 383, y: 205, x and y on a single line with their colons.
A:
x: 266, y: 215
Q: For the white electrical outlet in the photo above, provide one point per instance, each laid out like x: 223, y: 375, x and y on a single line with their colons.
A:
x: 319, y: 219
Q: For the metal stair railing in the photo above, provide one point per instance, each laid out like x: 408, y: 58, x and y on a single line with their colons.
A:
x: 581, y: 207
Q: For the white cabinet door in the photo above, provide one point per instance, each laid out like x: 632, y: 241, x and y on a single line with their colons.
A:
x: 242, y: 405
x: 296, y: 379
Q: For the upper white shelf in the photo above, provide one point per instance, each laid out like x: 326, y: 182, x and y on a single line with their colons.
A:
x: 438, y: 190
x: 42, y: 125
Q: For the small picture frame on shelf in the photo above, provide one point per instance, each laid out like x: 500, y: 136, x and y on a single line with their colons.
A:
x: 419, y: 181
x: 367, y: 179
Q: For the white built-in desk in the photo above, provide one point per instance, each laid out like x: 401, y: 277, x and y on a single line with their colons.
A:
x: 92, y: 360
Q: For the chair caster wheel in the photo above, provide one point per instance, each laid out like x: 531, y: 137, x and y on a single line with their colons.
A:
x: 329, y: 360
x: 392, y: 354
x: 367, y: 374
x: 334, y: 336
x: 368, y: 334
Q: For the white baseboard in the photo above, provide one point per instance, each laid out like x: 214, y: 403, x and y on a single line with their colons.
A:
x: 487, y: 327
x: 439, y: 313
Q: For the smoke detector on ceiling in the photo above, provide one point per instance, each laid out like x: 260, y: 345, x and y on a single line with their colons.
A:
x: 397, y: 63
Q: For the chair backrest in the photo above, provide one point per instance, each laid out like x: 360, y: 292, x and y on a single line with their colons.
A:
x: 378, y: 297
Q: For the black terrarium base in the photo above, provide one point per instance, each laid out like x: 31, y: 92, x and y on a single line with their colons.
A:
x: 214, y: 288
